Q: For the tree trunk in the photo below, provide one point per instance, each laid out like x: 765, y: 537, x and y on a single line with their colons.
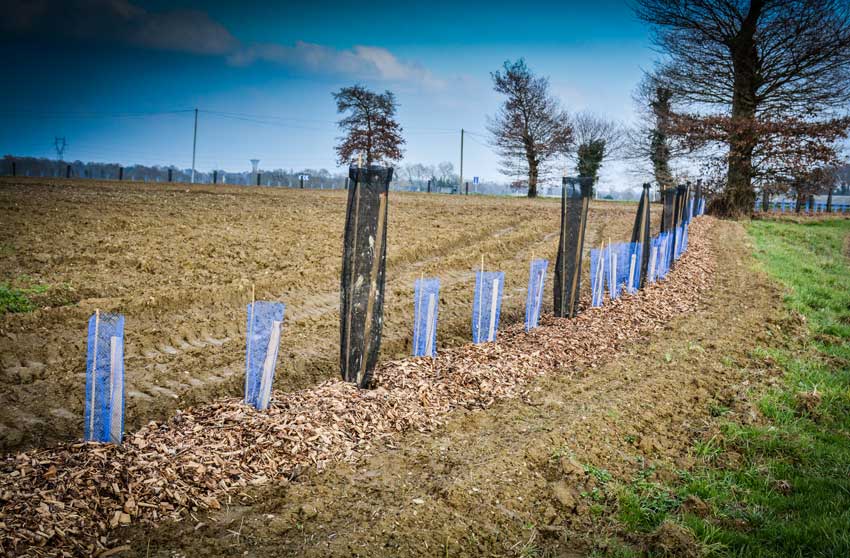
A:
x: 532, y: 178
x: 739, y: 197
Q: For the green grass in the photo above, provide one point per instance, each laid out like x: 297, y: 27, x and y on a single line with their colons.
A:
x: 789, y: 495
x: 15, y: 299
x: 643, y: 505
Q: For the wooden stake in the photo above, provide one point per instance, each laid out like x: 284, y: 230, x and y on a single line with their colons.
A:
x: 94, y: 371
x: 250, y: 335
x: 480, y: 297
x: 416, y: 333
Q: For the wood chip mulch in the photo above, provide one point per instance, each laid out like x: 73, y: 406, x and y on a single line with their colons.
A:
x: 70, y: 500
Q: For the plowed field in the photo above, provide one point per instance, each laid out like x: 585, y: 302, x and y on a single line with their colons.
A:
x: 179, y: 262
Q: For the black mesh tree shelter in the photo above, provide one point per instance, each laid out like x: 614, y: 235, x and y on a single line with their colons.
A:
x: 575, y: 199
x: 668, y: 196
x: 363, y: 273
x: 681, y: 192
x: 641, y: 232
x: 829, y: 201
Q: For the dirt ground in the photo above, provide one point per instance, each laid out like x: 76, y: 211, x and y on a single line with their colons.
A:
x: 179, y: 262
x: 514, y: 480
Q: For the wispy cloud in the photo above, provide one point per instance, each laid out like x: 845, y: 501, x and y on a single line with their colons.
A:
x: 361, y: 62
x: 195, y: 32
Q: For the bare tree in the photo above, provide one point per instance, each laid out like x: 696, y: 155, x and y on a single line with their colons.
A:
x: 756, y: 64
x: 370, y: 126
x: 446, y: 169
x: 596, y: 140
x: 417, y: 173
x: 530, y: 129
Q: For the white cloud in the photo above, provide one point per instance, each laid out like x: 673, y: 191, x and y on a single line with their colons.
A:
x: 195, y: 32
x: 360, y: 62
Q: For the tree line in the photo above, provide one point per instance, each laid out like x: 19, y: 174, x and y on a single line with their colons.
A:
x: 752, y: 93
x: 413, y: 176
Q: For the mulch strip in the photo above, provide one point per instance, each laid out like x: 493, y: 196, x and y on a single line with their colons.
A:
x: 69, y: 500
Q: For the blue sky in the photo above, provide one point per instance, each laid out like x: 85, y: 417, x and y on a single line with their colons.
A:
x: 94, y: 71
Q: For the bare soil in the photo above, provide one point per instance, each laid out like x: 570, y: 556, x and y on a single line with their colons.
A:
x: 513, y: 480
x: 179, y: 261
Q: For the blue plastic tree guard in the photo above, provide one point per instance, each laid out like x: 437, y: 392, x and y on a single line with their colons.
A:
x: 678, y: 244
x: 652, y: 267
x: 623, y: 253
x: 262, y: 341
x: 104, y: 408
x: 598, y: 257
x: 635, y: 253
x: 426, y: 299
x: 487, y: 305
x: 668, y: 253
x: 612, y: 263
x: 534, y: 296
x: 661, y: 254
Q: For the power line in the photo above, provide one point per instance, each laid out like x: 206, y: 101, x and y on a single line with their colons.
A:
x: 473, y: 140
x: 265, y: 116
x: 56, y: 114
x: 269, y: 119
x: 262, y: 121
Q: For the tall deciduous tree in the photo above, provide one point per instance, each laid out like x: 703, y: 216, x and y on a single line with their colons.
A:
x: 768, y: 74
x: 652, y: 139
x: 530, y: 129
x: 596, y: 140
x: 370, y: 127
x: 659, y: 137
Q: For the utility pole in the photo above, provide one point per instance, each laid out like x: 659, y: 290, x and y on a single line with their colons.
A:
x: 461, y: 162
x: 194, y: 145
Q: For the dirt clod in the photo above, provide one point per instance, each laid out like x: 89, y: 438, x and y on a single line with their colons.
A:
x: 696, y: 506
x: 673, y: 540
x: 565, y: 494
x: 807, y: 402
